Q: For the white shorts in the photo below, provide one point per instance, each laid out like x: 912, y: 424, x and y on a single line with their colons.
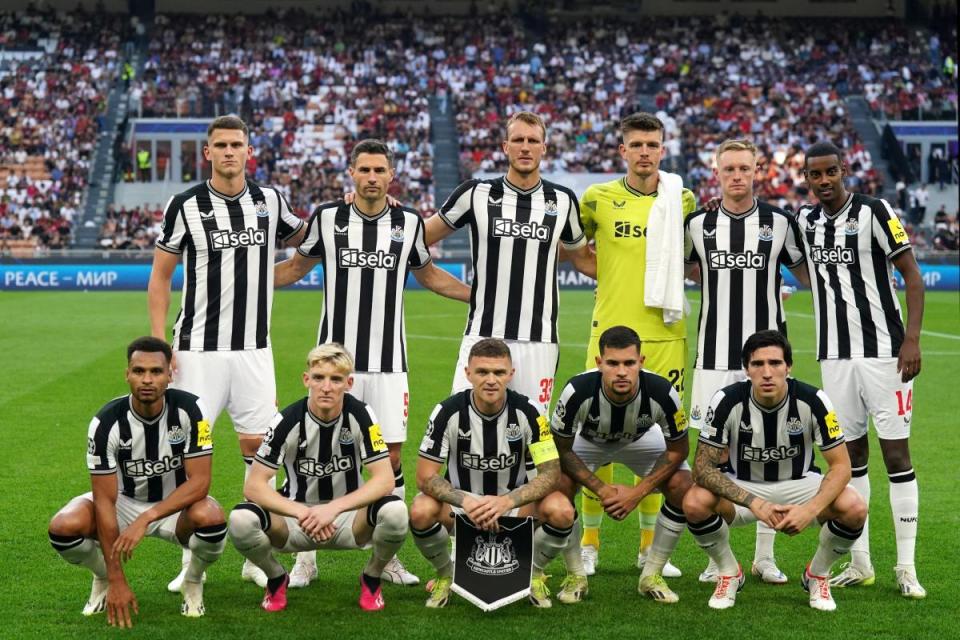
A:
x: 242, y: 382
x: 639, y: 456
x: 388, y: 394
x: 706, y: 382
x: 535, y: 367
x: 129, y: 510
x: 783, y: 492
x: 298, y: 540
x: 862, y: 387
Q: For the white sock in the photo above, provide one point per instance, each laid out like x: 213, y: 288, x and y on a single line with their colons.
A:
x: 572, y: 557
x: 80, y: 551
x: 860, y: 551
x: 670, y: 524
x: 713, y: 536
x: 905, y: 506
x: 764, y: 545
x: 399, y: 489
x: 248, y: 526
x: 390, y: 524
x: 207, y: 545
x: 835, y: 541
x: 548, y: 542
x: 433, y: 544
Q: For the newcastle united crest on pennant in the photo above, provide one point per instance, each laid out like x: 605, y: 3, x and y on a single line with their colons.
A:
x: 493, y: 569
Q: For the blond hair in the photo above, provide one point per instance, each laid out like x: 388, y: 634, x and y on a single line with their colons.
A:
x: 331, y: 353
x: 735, y: 144
x: 527, y: 117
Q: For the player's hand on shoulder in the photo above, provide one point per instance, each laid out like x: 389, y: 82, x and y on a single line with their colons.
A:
x: 120, y: 599
x: 712, y: 204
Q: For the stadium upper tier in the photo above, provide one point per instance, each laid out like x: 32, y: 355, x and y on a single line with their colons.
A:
x: 312, y: 87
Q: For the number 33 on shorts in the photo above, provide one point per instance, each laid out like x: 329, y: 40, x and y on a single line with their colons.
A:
x: 546, y: 390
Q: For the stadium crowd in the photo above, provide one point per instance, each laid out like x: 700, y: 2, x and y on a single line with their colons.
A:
x: 55, y: 72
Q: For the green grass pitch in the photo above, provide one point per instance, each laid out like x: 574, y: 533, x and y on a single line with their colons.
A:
x: 63, y: 357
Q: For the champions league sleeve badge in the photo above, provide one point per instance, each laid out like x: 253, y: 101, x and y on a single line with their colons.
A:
x: 493, y: 569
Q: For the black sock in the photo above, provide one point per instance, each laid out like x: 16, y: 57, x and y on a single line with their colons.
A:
x: 275, y: 583
x: 372, y: 583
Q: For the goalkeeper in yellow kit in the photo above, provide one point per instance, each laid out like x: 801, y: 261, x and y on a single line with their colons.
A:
x: 615, y: 215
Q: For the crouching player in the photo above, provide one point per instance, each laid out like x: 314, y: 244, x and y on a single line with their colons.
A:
x: 149, y: 454
x: 322, y: 441
x: 484, y: 435
x: 770, y: 424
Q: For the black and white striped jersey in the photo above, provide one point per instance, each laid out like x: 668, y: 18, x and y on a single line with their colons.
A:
x: 514, y: 235
x: 487, y: 455
x: 366, y: 261
x: 148, y: 454
x: 739, y: 257
x: 584, y: 408
x: 770, y: 445
x: 849, y: 254
x: 228, y: 245
x: 323, y: 460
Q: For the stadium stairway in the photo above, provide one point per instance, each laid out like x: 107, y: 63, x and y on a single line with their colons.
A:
x: 101, y: 187
x: 446, y: 167
x: 859, y: 111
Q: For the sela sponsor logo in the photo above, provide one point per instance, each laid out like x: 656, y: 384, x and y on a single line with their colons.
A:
x: 317, y: 469
x: 507, y: 228
x: 141, y: 468
x: 479, y: 463
x: 249, y: 237
x: 772, y: 454
x: 719, y: 259
x: 493, y: 558
x: 626, y: 229
x: 347, y: 258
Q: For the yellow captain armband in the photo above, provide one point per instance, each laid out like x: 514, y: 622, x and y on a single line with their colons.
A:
x: 833, y: 425
x: 204, y: 434
x: 543, y: 451
x: 897, y: 231
x: 376, y: 439
x: 680, y: 419
x: 544, y: 428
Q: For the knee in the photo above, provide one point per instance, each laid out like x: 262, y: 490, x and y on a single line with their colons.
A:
x: 246, y: 519
x: 557, y: 510
x: 896, y: 457
x: 206, y: 513
x: 677, y: 487
x: 390, y: 513
x: 859, y: 451
x: 63, y: 524
x: 696, y: 504
x: 424, y: 512
x: 855, y: 514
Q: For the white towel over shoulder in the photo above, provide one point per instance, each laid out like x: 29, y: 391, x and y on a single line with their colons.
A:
x: 663, y: 277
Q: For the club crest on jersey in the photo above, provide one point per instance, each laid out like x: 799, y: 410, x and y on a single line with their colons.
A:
x: 261, y: 208
x: 644, y: 421
x: 695, y: 413
x: 766, y: 233
x: 513, y: 432
x: 550, y: 208
x: 492, y: 558
x: 396, y: 234
x: 851, y: 227
x: 176, y: 435
x: 794, y: 426
x: 346, y: 436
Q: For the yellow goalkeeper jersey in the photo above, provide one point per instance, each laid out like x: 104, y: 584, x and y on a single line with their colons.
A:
x: 615, y: 216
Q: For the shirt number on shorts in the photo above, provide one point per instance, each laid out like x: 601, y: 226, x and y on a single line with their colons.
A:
x: 903, y: 407
x: 546, y: 390
x: 676, y: 378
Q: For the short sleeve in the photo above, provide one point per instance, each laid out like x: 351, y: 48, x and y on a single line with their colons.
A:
x: 200, y: 435
x: 174, y: 228
x: 273, y: 447
x: 457, y: 211
x: 372, y: 445
x: 572, y: 235
x: 673, y: 421
x: 689, y: 202
x: 793, y: 255
x: 312, y: 245
x: 287, y: 221
x: 419, y: 254
x: 101, y: 448
x: 541, y: 446
x: 827, y: 432
x: 564, y: 420
x: 714, y: 431
x: 434, y: 445
x: 888, y: 230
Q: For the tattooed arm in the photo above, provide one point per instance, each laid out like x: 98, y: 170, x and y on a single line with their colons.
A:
x: 574, y: 467
x: 430, y: 482
x: 707, y: 475
x: 548, y: 475
x: 625, y: 499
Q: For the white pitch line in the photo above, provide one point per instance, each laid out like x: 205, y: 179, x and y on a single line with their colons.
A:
x: 933, y: 334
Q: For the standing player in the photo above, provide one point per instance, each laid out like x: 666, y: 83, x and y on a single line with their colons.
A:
x: 323, y: 442
x: 867, y: 359
x: 606, y: 415
x: 485, y: 435
x: 149, y: 454
x: 629, y: 219
x: 367, y: 249
x: 739, y: 248
x: 226, y: 230
x: 767, y: 426
x: 516, y: 224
